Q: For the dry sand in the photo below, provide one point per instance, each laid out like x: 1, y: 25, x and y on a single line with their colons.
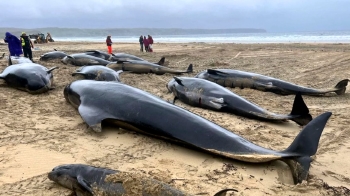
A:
x: 39, y: 132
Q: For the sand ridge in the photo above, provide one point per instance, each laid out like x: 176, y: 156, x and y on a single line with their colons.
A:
x: 39, y: 132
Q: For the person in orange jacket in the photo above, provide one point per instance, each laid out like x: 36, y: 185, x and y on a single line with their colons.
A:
x: 109, y: 44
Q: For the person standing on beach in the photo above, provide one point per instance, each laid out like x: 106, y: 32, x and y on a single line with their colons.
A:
x: 14, y: 44
x: 109, y: 44
x: 141, y: 43
x: 146, y: 43
x: 27, y: 46
x: 150, y: 41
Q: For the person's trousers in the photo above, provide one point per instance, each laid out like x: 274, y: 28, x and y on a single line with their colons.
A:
x: 27, y: 52
x: 109, y: 49
x: 141, y: 47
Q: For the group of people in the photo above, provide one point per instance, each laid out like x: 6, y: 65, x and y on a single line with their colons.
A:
x: 18, y: 46
x: 147, y: 42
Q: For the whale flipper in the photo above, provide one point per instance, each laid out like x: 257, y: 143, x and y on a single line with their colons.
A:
x: 50, y: 70
x: 217, y: 103
x: 84, y: 184
x: 305, y: 144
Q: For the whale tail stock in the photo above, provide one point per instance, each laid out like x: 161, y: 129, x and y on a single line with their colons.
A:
x: 300, y: 110
x: 341, y: 86
x: 305, y: 145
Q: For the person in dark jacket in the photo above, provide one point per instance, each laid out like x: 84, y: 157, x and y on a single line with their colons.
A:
x: 146, y: 43
x: 27, y: 46
x: 141, y: 43
x: 109, y: 44
x: 14, y: 44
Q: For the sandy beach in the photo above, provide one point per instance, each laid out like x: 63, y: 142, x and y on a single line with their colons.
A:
x: 39, y: 132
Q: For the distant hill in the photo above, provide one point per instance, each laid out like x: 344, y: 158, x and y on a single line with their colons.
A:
x: 75, y: 32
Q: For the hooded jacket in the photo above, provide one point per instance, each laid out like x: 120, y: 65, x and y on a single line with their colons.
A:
x: 14, y: 44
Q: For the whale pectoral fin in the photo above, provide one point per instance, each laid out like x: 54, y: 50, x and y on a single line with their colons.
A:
x: 92, y: 117
x: 218, y: 103
x: 84, y: 184
x: 50, y: 70
x: 224, y: 191
x: 178, y: 80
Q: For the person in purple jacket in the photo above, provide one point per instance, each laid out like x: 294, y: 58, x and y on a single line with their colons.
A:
x: 14, y: 44
x: 146, y: 43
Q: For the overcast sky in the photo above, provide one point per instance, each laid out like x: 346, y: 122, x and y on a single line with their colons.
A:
x: 272, y: 15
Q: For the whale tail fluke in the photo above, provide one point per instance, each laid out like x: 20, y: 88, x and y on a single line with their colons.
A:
x: 341, y: 86
x: 224, y: 191
x: 301, y: 111
x: 305, y: 145
x: 161, y: 61
x: 190, y: 69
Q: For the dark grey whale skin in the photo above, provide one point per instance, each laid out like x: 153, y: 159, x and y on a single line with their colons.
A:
x: 98, y: 72
x: 144, y: 67
x: 53, y: 55
x: 31, y: 77
x: 85, y: 180
x: 242, y: 79
x: 82, y: 59
x: 130, y: 108
x: 206, y: 94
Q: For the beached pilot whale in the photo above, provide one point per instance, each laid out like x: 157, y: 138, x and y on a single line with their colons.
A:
x: 81, y: 59
x: 88, y: 180
x: 53, y: 55
x: 121, y: 57
x: 125, y: 57
x: 30, y: 77
x: 205, y: 94
x: 17, y: 60
x: 99, y: 54
x: 242, y: 79
x: 98, y: 72
x: 141, y: 67
x: 129, y: 108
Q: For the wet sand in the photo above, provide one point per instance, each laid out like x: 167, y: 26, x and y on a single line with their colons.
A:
x: 39, y: 132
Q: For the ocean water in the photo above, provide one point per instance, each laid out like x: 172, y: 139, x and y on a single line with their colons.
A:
x: 301, y: 37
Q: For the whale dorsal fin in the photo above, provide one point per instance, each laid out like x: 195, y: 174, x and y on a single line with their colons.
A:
x: 94, y: 51
x: 178, y: 80
x: 215, y: 72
